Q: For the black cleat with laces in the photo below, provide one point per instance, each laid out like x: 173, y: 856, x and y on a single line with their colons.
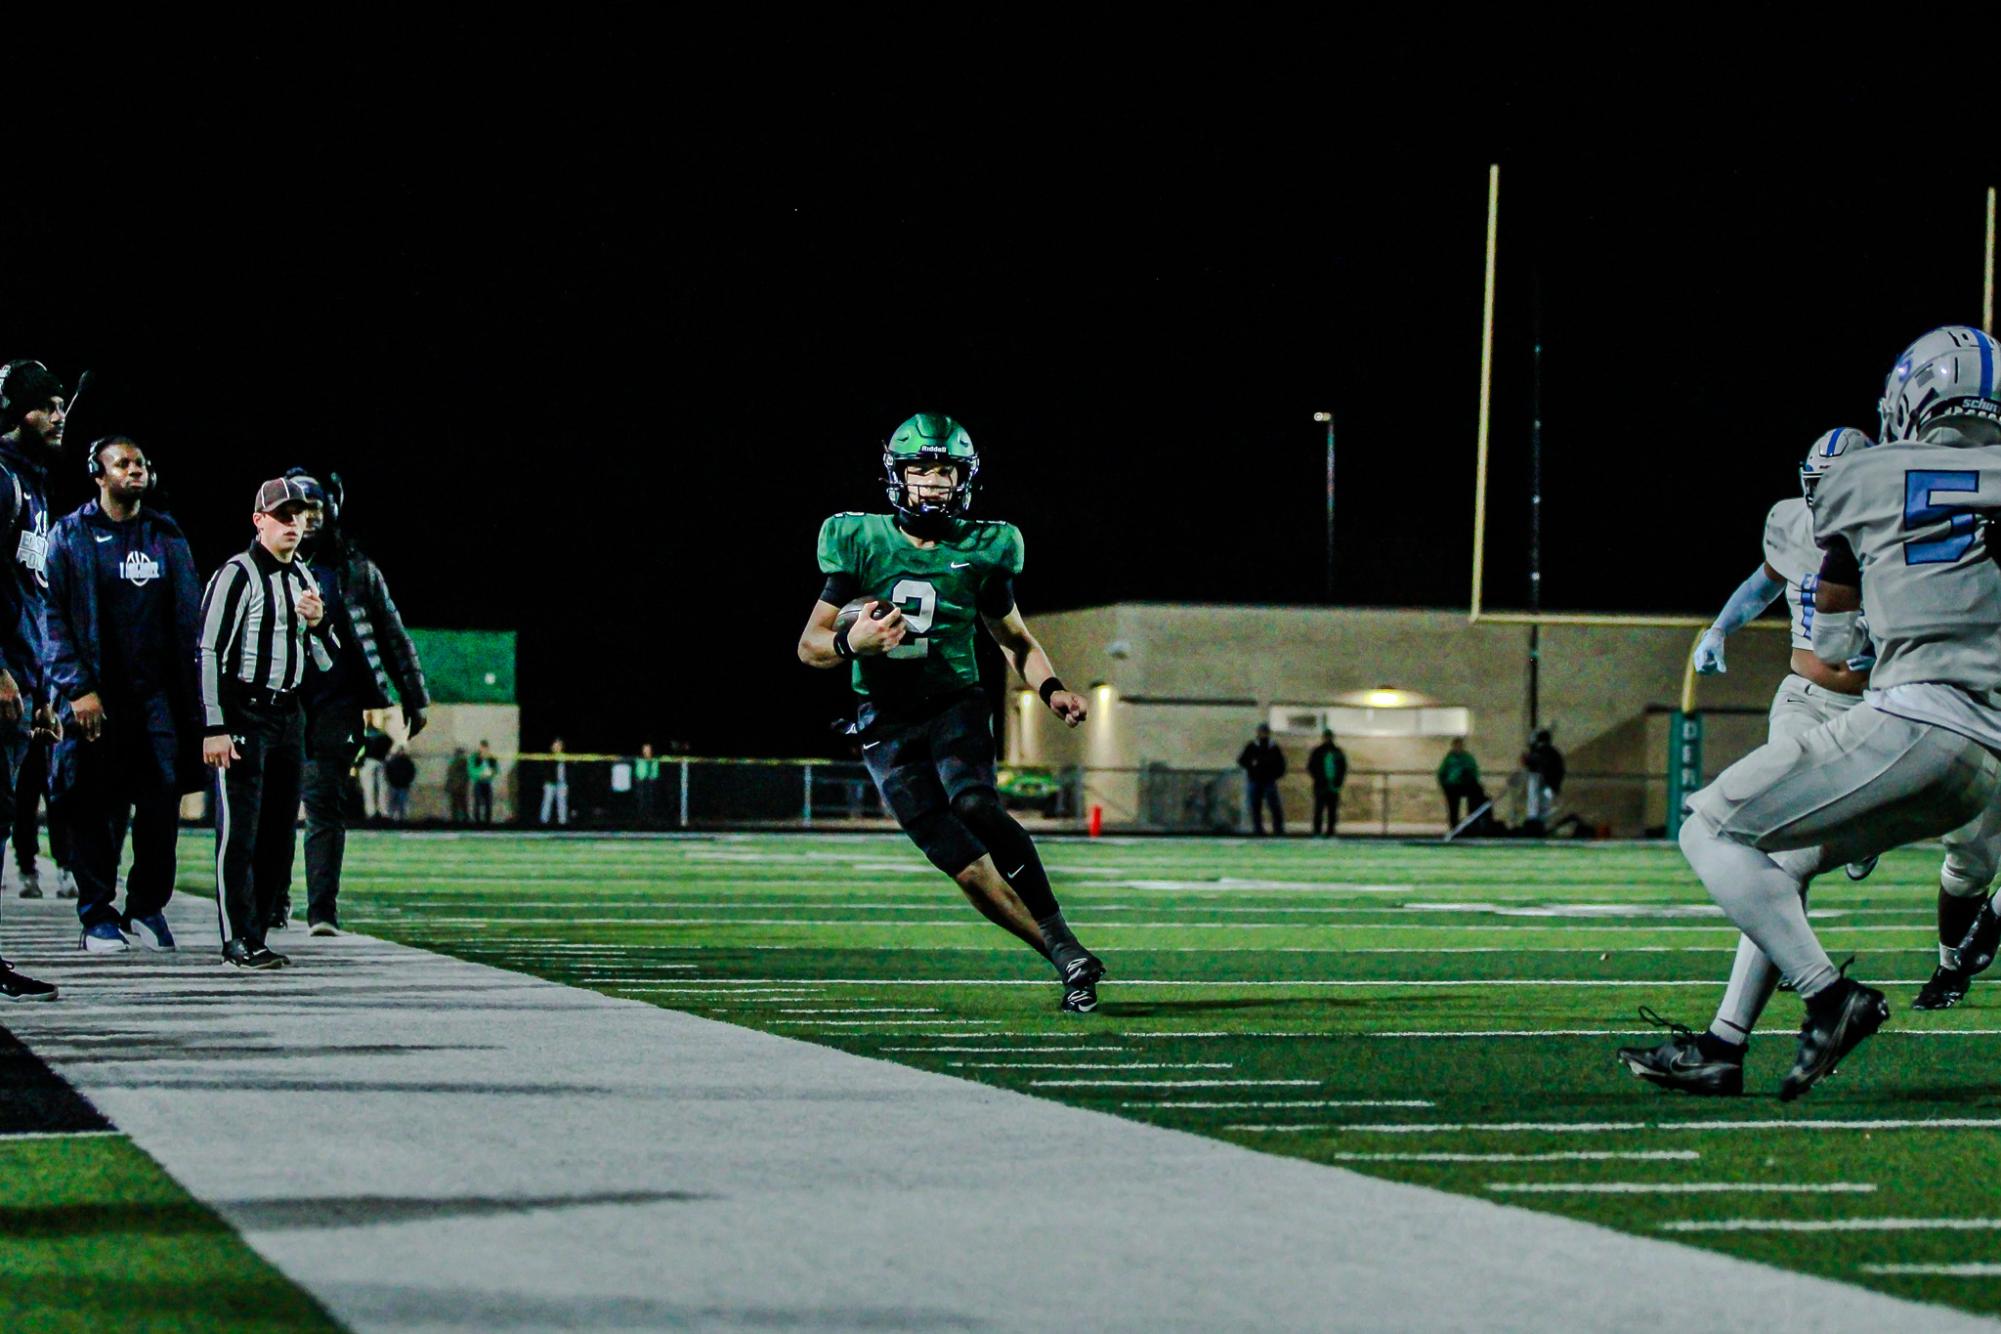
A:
x: 1080, y: 984
x: 18, y: 987
x: 1977, y: 947
x: 1946, y: 989
x: 1836, y: 1022
x: 1681, y: 1064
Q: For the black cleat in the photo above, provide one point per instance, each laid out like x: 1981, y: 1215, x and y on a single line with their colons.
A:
x: 1681, y: 1064
x: 1977, y: 947
x: 1946, y: 989
x: 16, y: 987
x: 1080, y: 984
x: 244, y: 955
x: 1830, y: 1031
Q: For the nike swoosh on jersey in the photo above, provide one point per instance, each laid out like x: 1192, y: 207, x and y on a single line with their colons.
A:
x: 101, y: 537
x: 960, y: 564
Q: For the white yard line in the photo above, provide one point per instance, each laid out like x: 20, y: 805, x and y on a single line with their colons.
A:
x: 1085, y: 1065
x: 991, y: 1051
x: 1968, y: 1269
x: 1833, y: 1225
x: 1682, y: 1187
x: 6, y: 1139
x: 870, y: 1009
x: 1293, y: 1102
x: 1559, y: 1156
x: 1172, y: 1083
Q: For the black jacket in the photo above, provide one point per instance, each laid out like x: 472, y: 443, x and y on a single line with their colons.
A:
x: 385, y: 655
x: 1316, y: 765
x: 1265, y: 764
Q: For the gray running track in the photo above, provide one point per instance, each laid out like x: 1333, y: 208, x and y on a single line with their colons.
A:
x: 429, y: 1144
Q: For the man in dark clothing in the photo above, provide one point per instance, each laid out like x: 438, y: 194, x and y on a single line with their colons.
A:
x: 1329, y: 766
x: 124, y: 609
x: 376, y: 655
x: 1543, y: 764
x: 1263, y: 764
x: 483, y: 767
x: 32, y: 407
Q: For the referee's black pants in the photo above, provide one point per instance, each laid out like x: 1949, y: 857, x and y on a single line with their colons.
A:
x: 129, y: 768
x: 257, y: 812
x: 333, y: 748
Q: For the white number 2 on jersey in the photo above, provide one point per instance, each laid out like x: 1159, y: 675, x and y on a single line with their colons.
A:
x: 919, y: 601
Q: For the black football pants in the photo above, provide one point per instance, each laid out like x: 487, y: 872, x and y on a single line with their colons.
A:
x: 257, y: 812
x: 1327, y: 803
x: 333, y: 748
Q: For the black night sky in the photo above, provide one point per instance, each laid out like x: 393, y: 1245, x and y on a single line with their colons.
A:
x: 597, y: 346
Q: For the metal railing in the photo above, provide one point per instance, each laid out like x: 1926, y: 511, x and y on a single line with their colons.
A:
x: 705, y: 793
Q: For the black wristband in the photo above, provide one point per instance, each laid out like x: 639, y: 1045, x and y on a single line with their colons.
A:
x: 1050, y: 686
x: 842, y: 648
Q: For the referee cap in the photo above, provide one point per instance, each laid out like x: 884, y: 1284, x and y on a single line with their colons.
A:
x: 282, y: 491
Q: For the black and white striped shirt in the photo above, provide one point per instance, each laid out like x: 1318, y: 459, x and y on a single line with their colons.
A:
x: 252, y: 633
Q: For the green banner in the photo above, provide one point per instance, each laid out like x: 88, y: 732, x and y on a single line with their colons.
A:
x: 468, y: 666
x: 1684, y: 765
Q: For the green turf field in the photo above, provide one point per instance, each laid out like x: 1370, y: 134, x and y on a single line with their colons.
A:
x: 97, y: 1237
x: 1437, y: 1015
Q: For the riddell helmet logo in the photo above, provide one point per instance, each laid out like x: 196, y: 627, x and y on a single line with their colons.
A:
x: 138, y: 568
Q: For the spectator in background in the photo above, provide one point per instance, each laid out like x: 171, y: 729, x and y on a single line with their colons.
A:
x: 1542, y: 764
x: 458, y: 786
x: 556, y: 789
x: 1459, y: 780
x: 483, y: 768
x: 375, y: 748
x: 1263, y: 764
x: 399, y: 771
x: 1328, y: 764
x: 645, y: 780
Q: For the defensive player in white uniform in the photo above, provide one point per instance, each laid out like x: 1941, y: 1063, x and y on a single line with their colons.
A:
x: 1905, y: 528
x: 1811, y: 694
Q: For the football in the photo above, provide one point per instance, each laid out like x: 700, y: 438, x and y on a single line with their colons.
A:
x: 851, y: 613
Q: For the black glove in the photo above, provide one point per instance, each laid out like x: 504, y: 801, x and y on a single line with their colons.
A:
x: 414, y: 720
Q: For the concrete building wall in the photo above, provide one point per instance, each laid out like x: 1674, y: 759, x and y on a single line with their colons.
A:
x: 1184, y: 685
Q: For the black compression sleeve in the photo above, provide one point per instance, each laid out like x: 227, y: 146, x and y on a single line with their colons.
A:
x: 997, y: 596
x: 840, y: 589
x: 1839, y: 566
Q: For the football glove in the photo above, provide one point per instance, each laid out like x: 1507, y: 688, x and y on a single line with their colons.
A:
x: 1709, y: 654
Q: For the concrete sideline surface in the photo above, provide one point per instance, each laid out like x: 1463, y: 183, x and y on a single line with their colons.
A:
x: 429, y: 1144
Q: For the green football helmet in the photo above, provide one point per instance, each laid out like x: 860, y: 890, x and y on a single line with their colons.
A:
x: 929, y: 437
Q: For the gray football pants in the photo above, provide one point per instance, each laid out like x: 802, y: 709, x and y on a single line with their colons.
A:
x: 1852, y: 788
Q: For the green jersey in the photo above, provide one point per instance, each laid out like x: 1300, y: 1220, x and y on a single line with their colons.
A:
x: 942, y: 590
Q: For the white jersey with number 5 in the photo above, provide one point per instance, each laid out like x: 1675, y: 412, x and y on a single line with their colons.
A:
x: 1915, y: 514
x: 1789, y: 549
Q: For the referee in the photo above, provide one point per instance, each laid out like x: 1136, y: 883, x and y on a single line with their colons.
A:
x: 261, y: 617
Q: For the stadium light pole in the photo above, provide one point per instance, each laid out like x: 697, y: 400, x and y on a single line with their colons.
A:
x: 1328, y: 418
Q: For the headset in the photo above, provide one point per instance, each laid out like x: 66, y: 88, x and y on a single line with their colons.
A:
x: 94, y: 465
x: 332, y: 492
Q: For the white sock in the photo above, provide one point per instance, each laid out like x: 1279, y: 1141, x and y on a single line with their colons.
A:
x: 1753, y: 979
x: 1764, y: 901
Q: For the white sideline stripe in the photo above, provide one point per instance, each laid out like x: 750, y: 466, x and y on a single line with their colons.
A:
x: 1169, y: 1083
x: 871, y: 1009
x: 1683, y: 1187
x: 5, y: 1140
x: 1071, y: 1065
x: 1304, y: 1102
x: 1267, y: 982
x: 1833, y: 1225
x: 1041, y: 1051
x: 1970, y: 1269
x: 1560, y: 1156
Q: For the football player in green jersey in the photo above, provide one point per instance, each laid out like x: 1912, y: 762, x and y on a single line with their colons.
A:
x: 929, y: 575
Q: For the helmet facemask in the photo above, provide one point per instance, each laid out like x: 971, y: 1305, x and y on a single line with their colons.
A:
x: 932, y: 515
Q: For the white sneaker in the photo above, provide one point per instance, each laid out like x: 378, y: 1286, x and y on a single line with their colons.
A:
x: 323, y: 929
x: 65, y: 884
x: 103, y: 938
x: 31, y: 884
